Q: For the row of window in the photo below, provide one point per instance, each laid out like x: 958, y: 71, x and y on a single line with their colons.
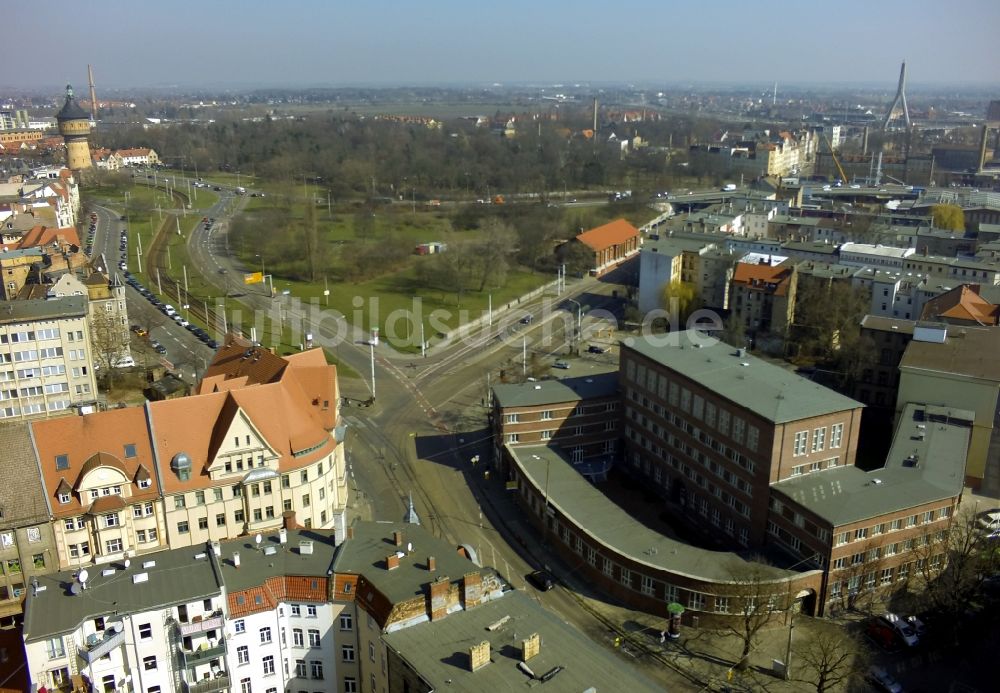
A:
x: 878, y: 552
x: 33, y: 372
x: 727, y: 424
x: 30, y: 336
x: 886, y: 576
x: 578, y: 410
x: 862, y: 533
x: 27, y: 409
x: 801, y: 440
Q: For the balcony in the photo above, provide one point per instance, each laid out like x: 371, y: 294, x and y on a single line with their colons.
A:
x: 200, y: 624
x: 204, y: 654
x: 98, y: 646
x: 219, y: 683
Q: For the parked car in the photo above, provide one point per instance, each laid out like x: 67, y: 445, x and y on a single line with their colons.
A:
x: 562, y: 365
x: 526, y: 320
x: 882, y: 634
x: 541, y: 579
x: 160, y: 349
x: 903, y: 629
x: 917, y: 625
x: 594, y: 349
x: 988, y: 523
x: 883, y: 681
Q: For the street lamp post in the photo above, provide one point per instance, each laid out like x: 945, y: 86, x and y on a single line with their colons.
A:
x: 579, y: 319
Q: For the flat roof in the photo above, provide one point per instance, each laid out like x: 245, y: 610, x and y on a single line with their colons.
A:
x: 876, y: 249
x: 288, y: 559
x: 589, y: 509
x: 365, y: 554
x: 43, y: 309
x: 671, y: 245
x: 968, y: 351
x: 438, y: 651
x: 176, y: 578
x: 570, y: 389
x: 884, y: 324
x: 766, y: 389
x: 926, y: 463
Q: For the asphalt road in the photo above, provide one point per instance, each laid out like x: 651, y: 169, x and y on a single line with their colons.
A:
x: 185, y: 352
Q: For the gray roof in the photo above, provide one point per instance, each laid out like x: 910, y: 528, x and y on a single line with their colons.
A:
x: 176, y: 578
x: 763, y: 388
x: 810, y: 247
x: 576, y: 498
x: 556, y: 391
x: 438, y: 651
x: 825, y: 270
x: 671, y: 245
x: 287, y: 559
x: 884, y: 324
x: 22, y: 497
x: 936, y: 438
x: 966, y: 351
x: 21, y: 252
x: 42, y: 309
x: 365, y: 554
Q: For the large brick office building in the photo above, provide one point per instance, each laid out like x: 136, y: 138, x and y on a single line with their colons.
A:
x: 757, y: 457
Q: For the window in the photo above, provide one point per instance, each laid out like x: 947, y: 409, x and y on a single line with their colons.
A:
x: 346, y: 622
x: 149, y: 663
x: 296, y: 610
x: 304, y: 476
x: 268, y: 662
x: 129, y: 450
x: 145, y: 483
x: 300, y: 669
x: 836, y: 434
x: 245, y: 686
x: 722, y: 605
x: 265, y: 635
x: 819, y: 439
x: 113, y: 546
x: 243, y: 654
x: 350, y: 685
x: 199, y: 498
x: 179, y: 502
x: 313, y: 637
x: 145, y: 631
x: 347, y: 653
x: 311, y: 611
x: 801, y: 442
x: 62, y: 462
x: 220, y: 520
x: 696, y: 601
x: 54, y: 648
x: 183, y: 527
x: 297, y: 639
x: 239, y: 626
x: 317, y: 668
x: 202, y: 523
x: 371, y: 651
x: 861, y: 533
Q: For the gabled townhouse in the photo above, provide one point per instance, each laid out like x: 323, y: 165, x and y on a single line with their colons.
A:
x: 137, y: 156
x: 611, y: 244
x: 256, y: 447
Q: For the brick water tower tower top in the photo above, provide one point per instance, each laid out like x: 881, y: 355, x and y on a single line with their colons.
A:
x: 74, y: 126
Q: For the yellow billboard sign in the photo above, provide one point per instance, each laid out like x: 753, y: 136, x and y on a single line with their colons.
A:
x: 253, y: 278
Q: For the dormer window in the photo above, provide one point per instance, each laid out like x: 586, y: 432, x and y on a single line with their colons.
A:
x: 129, y: 450
x: 62, y: 462
x: 145, y: 483
x: 65, y: 498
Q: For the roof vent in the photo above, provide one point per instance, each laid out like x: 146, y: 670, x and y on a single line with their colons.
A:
x: 305, y: 548
x: 200, y: 556
x: 876, y: 482
x: 180, y: 461
x: 140, y: 577
x: 148, y: 564
x: 270, y: 550
x: 538, y: 387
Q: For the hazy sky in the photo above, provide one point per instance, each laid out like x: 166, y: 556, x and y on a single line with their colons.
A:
x: 134, y: 43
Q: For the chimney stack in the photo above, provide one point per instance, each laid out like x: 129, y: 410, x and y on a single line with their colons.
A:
x: 431, y: 563
x: 530, y: 646
x: 439, y: 597
x: 397, y: 538
x: 236, y: 559
x: 472, y: 589
x: 479, y: 655
x: 391, y: 561
x: 288, y: 520
x: 349, y: 533
x: 283, y: 535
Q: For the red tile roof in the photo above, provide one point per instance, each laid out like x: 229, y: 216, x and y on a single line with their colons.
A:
x: 962, y: 304
x: 611, y: 234
x: 40, y: 236
x: 763, y: 277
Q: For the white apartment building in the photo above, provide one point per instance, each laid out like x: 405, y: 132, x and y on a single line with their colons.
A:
x: 46, y: 362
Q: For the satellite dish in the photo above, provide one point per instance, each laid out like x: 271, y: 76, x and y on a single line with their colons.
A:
x: 409, y: 547
x: 127, y: 563
x: 118, y: 626
x: 258, y: 538
x: 74, y: 589
x: 128, y: 678
x: 83, y: 576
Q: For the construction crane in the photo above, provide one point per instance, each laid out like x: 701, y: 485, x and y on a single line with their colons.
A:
x: 840, y: 169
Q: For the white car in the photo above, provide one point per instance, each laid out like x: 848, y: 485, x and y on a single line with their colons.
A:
x: 902, y: 628
x: 988, y: 522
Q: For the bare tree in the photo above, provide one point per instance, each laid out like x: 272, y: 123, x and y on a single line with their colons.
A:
x: 109, y: 343
x: 759, y: 600
x: 828, y: 657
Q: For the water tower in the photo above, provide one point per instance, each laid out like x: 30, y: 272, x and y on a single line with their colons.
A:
x: 74, y: 126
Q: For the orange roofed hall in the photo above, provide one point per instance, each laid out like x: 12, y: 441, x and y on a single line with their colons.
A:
x: 611, y: 243
x: 257, y: 447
